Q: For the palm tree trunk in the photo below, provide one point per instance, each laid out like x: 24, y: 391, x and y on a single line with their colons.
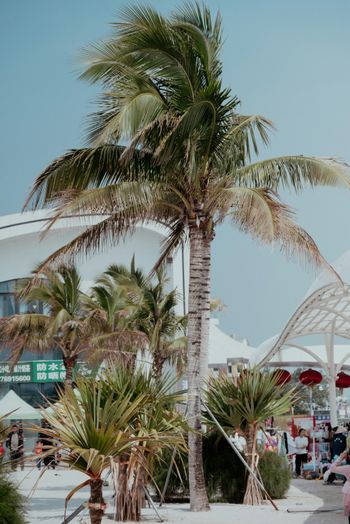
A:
x: 128, y: 501
x: 157, y: 365
x: 96, y: 497
x: 198, y: 340
x: 69, y: 363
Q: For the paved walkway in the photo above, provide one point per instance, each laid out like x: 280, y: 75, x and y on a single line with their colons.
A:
x: 323, y: 502
x: 308, y: 502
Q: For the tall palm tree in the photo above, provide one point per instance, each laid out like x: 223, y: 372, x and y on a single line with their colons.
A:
x: 186, y: 164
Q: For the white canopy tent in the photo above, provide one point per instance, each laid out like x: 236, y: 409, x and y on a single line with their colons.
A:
x: 14, y: 408
x: 325, y: 312
x: 226, y: 349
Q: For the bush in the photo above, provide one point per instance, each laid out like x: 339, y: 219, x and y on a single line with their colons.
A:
x: 225, y: 475
x: 11, y: 502
x: 275, y: 474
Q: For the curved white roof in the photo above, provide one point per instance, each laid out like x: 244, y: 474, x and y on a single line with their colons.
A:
x: 223, y: 347
x: 23, y: 245
x: 341, y: 266
x: 325, y: 311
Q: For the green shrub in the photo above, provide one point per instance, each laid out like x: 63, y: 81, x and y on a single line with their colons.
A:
x: 11, y: 503
x: 224, y: 473
x: 275, y: 474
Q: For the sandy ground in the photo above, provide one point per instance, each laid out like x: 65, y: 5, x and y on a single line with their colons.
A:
x: 308, y: 502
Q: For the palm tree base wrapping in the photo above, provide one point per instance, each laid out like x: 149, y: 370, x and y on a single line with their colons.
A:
x: 253, y: 494
x: 129, y: 482
x: 96, y: 501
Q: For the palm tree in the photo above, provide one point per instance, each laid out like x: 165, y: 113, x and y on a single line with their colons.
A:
x: 164, y: 329
x: 186, y: 164
x: 62, y: 325
x: 243, y: 405
x: 111, y: 305
x: 122, y: 422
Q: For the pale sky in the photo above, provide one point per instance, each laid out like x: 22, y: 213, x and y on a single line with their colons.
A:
x: 288, y: 61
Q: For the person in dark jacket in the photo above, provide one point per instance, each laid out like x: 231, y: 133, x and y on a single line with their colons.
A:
x: 15, y: 443
x: 338, y: 447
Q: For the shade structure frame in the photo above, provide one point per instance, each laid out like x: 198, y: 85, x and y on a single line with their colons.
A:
x: 325, y: 312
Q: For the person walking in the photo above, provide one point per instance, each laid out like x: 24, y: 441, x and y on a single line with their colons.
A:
x: 301, y: 444
x: 38, y: 452
x: 344, y: 470
x: 338, y: 447
x: 15, y: 443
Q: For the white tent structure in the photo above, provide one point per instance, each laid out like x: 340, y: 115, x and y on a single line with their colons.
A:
x: 225, y: 350
x: 14, y: 408
x: 325, y: 312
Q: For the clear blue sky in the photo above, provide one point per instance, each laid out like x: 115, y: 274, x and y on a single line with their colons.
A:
x: 287, y: 60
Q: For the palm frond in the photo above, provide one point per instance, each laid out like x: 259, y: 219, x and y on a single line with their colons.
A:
x: 293, y: 172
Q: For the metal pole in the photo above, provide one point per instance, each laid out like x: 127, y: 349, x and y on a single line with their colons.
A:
x: 221, y: 429
x: 162, y: 496
x: 151, y: 503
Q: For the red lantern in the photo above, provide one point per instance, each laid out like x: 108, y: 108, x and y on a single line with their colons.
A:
x: 343, y: 380
x: 310, y: 377
x: 282, y: 377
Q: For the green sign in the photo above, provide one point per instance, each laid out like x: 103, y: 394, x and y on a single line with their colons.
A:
x: 39, y: 371
x: 21, y: 372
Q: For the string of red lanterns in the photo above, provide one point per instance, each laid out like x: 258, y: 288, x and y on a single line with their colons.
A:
x: 310, y: 377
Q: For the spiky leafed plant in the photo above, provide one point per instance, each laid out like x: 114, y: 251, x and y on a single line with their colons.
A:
x: 157, y: 425
x: 121, y: 422
x: 243, y: 404
x: 94, y: 431
x: 186, y: 164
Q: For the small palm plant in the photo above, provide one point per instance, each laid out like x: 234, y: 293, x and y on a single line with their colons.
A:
x: 243, y: 405
x: 119, y: 423
x: 157, y: 426
x: 94, y: 432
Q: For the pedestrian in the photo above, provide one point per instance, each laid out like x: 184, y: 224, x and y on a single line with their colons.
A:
x: 15, y: 443
x: 344, y: 470
x: 48, y: 447
x: 38, y: 451
x: 2, y: 451
x: 301, y: 443
x: 338, y: 447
